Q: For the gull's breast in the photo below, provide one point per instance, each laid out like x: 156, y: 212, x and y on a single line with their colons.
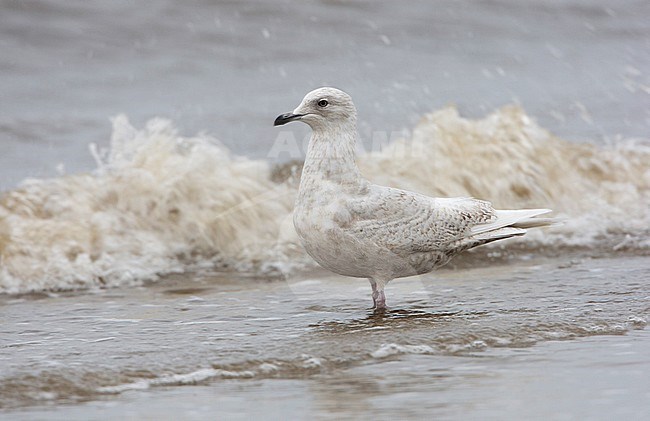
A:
x: 323, y: 224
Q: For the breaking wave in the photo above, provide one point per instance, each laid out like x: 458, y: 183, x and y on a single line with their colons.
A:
x: 160, y: 203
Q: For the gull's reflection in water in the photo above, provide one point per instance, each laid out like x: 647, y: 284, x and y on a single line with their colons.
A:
x: 414, y: 316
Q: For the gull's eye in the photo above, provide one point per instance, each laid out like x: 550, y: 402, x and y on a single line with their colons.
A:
x: 322, y: 103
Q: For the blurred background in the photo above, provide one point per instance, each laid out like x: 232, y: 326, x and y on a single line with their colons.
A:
x: 228, y: 68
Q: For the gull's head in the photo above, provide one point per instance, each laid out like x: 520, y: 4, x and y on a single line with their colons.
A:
x: 322, y: 107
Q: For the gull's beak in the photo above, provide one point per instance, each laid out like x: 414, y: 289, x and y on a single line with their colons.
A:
x: 287, y: 118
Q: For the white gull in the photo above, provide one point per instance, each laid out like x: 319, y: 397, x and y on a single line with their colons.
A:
x: 355, y: 228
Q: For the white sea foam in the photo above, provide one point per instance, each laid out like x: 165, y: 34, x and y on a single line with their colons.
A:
x: 506, y: 158
x: 161, y: 203
x: 177, y: 379
x: 156, y: 204
x: 388, y: 350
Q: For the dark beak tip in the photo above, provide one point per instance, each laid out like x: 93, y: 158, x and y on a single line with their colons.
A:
x: 280, y: 120
x: 286, y: 118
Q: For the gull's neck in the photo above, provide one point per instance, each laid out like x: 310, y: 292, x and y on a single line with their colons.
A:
x: 331, y: 156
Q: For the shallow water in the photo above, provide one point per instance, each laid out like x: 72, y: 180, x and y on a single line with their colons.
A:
x: 550, y: 381
x: 446, y: 343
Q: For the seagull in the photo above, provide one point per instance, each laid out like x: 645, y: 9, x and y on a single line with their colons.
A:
x: 359, y: 229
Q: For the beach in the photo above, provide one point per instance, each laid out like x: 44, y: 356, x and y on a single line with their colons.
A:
x: 149, y: 268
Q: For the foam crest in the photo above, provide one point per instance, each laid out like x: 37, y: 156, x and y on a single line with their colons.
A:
x: 160, y: 203
x: 156, y: 204
x: 602, y: 193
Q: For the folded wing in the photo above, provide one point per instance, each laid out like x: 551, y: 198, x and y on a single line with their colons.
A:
x: 407, y: 222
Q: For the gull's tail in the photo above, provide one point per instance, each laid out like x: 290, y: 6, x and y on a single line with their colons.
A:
x: 508, y: 223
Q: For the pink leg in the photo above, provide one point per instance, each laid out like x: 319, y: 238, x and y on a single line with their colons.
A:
x: 378, y: 296
x: 375, y: 293
x: 380, y: 302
